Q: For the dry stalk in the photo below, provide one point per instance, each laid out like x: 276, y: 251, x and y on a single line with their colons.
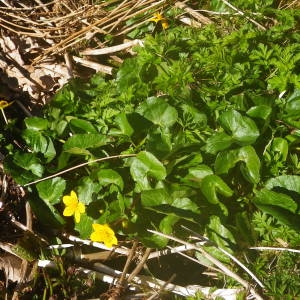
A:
x: 93, y: 65
x: 121, y: 282
x: 202, y: 19
x: 106, y: 24
x: 72, y: 238
x: 140, y: 265
x: 216, y: 262
x: 275, y: 249
x: 243, y: 14
x: 79, y: 166
x: 113, y: 49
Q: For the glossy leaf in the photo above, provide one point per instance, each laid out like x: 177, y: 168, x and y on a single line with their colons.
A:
x: 159, y: 143
x: 250, y: 167
x: 87, y: 189
x: 124, y: 125
x: 51, y: 190
x: 221, y: 235
x: 82, y: 126
x: 211, y: 185
x: 84, y: 227
x: 279, y: 146
x: 218, y: 142
x: 242, y: 129
x: 271, y: 198
x: 196, y: 174
x: 193, y: 116
x: 158, y: 111
x: 261, y: 112
x: 109, y: 176
x: 183, y: 208
x: 292, y: 107
x: 46, y: 213
x: 144, y: 165
x: 279, y: 205
x: 167, y: 223
x: 155, y: 197
x: 84, y: 141
x: 39, y: 143
x: 289, y: 182
x: 30, y: 162
x: 36, y: 123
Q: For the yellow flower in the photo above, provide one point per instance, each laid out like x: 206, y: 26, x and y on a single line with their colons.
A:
x: 160, y: 18
x: 4, y: 104
x: 104, y: 234
x: 73, y: 206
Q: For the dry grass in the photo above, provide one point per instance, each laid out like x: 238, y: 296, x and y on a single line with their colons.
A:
x: 61, y: 25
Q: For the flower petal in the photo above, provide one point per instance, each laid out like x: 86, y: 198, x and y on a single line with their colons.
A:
x: 68, y: 211
x: 81, y: 207
x: 74, y: 195
x: 109, y: 242
x: 97, y: 227
x: 103, y: 233
x: 77, y: 216
x: 95, y: 237
x: 67, y: 200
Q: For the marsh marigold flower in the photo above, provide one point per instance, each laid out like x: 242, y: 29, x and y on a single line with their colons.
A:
x: 73, y: 206
x: 104, y: 234
x: 160, y: 18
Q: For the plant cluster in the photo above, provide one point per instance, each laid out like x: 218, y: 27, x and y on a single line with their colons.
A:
x: 201, y: 129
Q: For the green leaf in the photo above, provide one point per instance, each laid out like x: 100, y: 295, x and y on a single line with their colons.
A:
x: 51, y: 190
x: 218, y: 5
x: 213, y: 184
x: 218, y: 142
x: 196, y: 174
x: 266, y: 197
x: 280, y: 146
x: 124, y: 125
x: 86, y: 189
x: 247, y: 155
x: 218, y: 233
x: 250, y: 167
x: 193, y: 116
x: 261, y: 112
x: 36, y: 123
x: 153, y: 240
x: 160, y: 201
x: 84, y: 227
x: 280, y: 206
x: 30, y: 162
x: 245, y: 230
x: 155, y: 197
x: 109, y: 176
x: 128, y: 77
x: 167, y: 223
x: 39, y: 143
x: 146, y: 164
x: 289, y: 182
x: 82, y: 126
x: 284, y: 216
x: 242, y: 129
x: 46, y: 213
x: 292, y: 107
x: 84, y: 141
x: 280, y: 199
x: 159, y: 143
x: 158, y: 111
